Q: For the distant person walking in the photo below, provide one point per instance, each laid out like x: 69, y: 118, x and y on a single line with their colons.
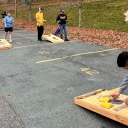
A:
x: 62, y: 20
x: 8, y: 22
x: 40, y: 23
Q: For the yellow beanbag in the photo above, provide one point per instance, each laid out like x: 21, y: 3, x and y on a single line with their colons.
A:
x: 107, y: 105
x: 104, y: 99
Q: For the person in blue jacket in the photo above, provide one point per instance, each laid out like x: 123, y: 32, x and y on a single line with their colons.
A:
x: 8, y: 22
x: 122, y: 61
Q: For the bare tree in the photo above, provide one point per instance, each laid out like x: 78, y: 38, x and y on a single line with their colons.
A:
x: 29, y: 4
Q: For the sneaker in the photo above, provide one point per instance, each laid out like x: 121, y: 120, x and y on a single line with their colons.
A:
x: 10, y: 41
x: 40, y: 40
x: 66, y: 39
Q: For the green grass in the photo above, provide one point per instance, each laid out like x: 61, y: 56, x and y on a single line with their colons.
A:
x: 103, y: 14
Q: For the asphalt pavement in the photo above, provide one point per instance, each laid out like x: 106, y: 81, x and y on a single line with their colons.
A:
x: 38, y: 82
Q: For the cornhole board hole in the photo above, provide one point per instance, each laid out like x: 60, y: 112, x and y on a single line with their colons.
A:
x: 52, y: 38
x: 90, y: 101
x: 4, y: 44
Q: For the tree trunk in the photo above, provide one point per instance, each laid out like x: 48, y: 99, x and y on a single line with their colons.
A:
x: 6, y: 6
x: 80, y: 12
x: 15, y: 8
x: 30, y: 14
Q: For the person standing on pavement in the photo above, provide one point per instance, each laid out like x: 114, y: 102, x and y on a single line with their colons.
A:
x: 8, y: 22
x: 40, y: 23
x: 62, y: 20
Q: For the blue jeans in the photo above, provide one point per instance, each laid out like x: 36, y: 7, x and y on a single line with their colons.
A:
x: 63, y: 27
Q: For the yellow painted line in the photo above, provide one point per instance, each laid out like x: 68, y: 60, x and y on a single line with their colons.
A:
x: 27, y: 46
x: 48, y: 60
x: 44, y: 52
x: 31, y: 45
x: 24, y: 38
x: 35, y: 45
x: 87, y: 53
x: 65, y: 57
x: 94, y: 52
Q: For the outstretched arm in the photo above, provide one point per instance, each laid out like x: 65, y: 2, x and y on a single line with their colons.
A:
x: 122, y: 87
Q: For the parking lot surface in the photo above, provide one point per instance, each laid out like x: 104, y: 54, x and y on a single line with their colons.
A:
x: 40, y: 80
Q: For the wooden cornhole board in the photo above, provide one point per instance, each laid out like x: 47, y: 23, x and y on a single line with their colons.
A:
x: 52, y: 38
x: 119, y: 112
x: 4, y: 44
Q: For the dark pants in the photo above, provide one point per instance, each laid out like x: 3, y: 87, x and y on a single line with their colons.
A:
x: 40, y: 30
x: 57, y: 31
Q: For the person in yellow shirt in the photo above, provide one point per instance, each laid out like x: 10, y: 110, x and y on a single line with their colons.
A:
x: 40, y: 23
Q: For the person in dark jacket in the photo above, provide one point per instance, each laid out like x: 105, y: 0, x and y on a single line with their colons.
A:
x: 62, y: 20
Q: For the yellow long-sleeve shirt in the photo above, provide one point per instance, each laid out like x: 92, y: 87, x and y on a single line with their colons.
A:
x: 40, y: 19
